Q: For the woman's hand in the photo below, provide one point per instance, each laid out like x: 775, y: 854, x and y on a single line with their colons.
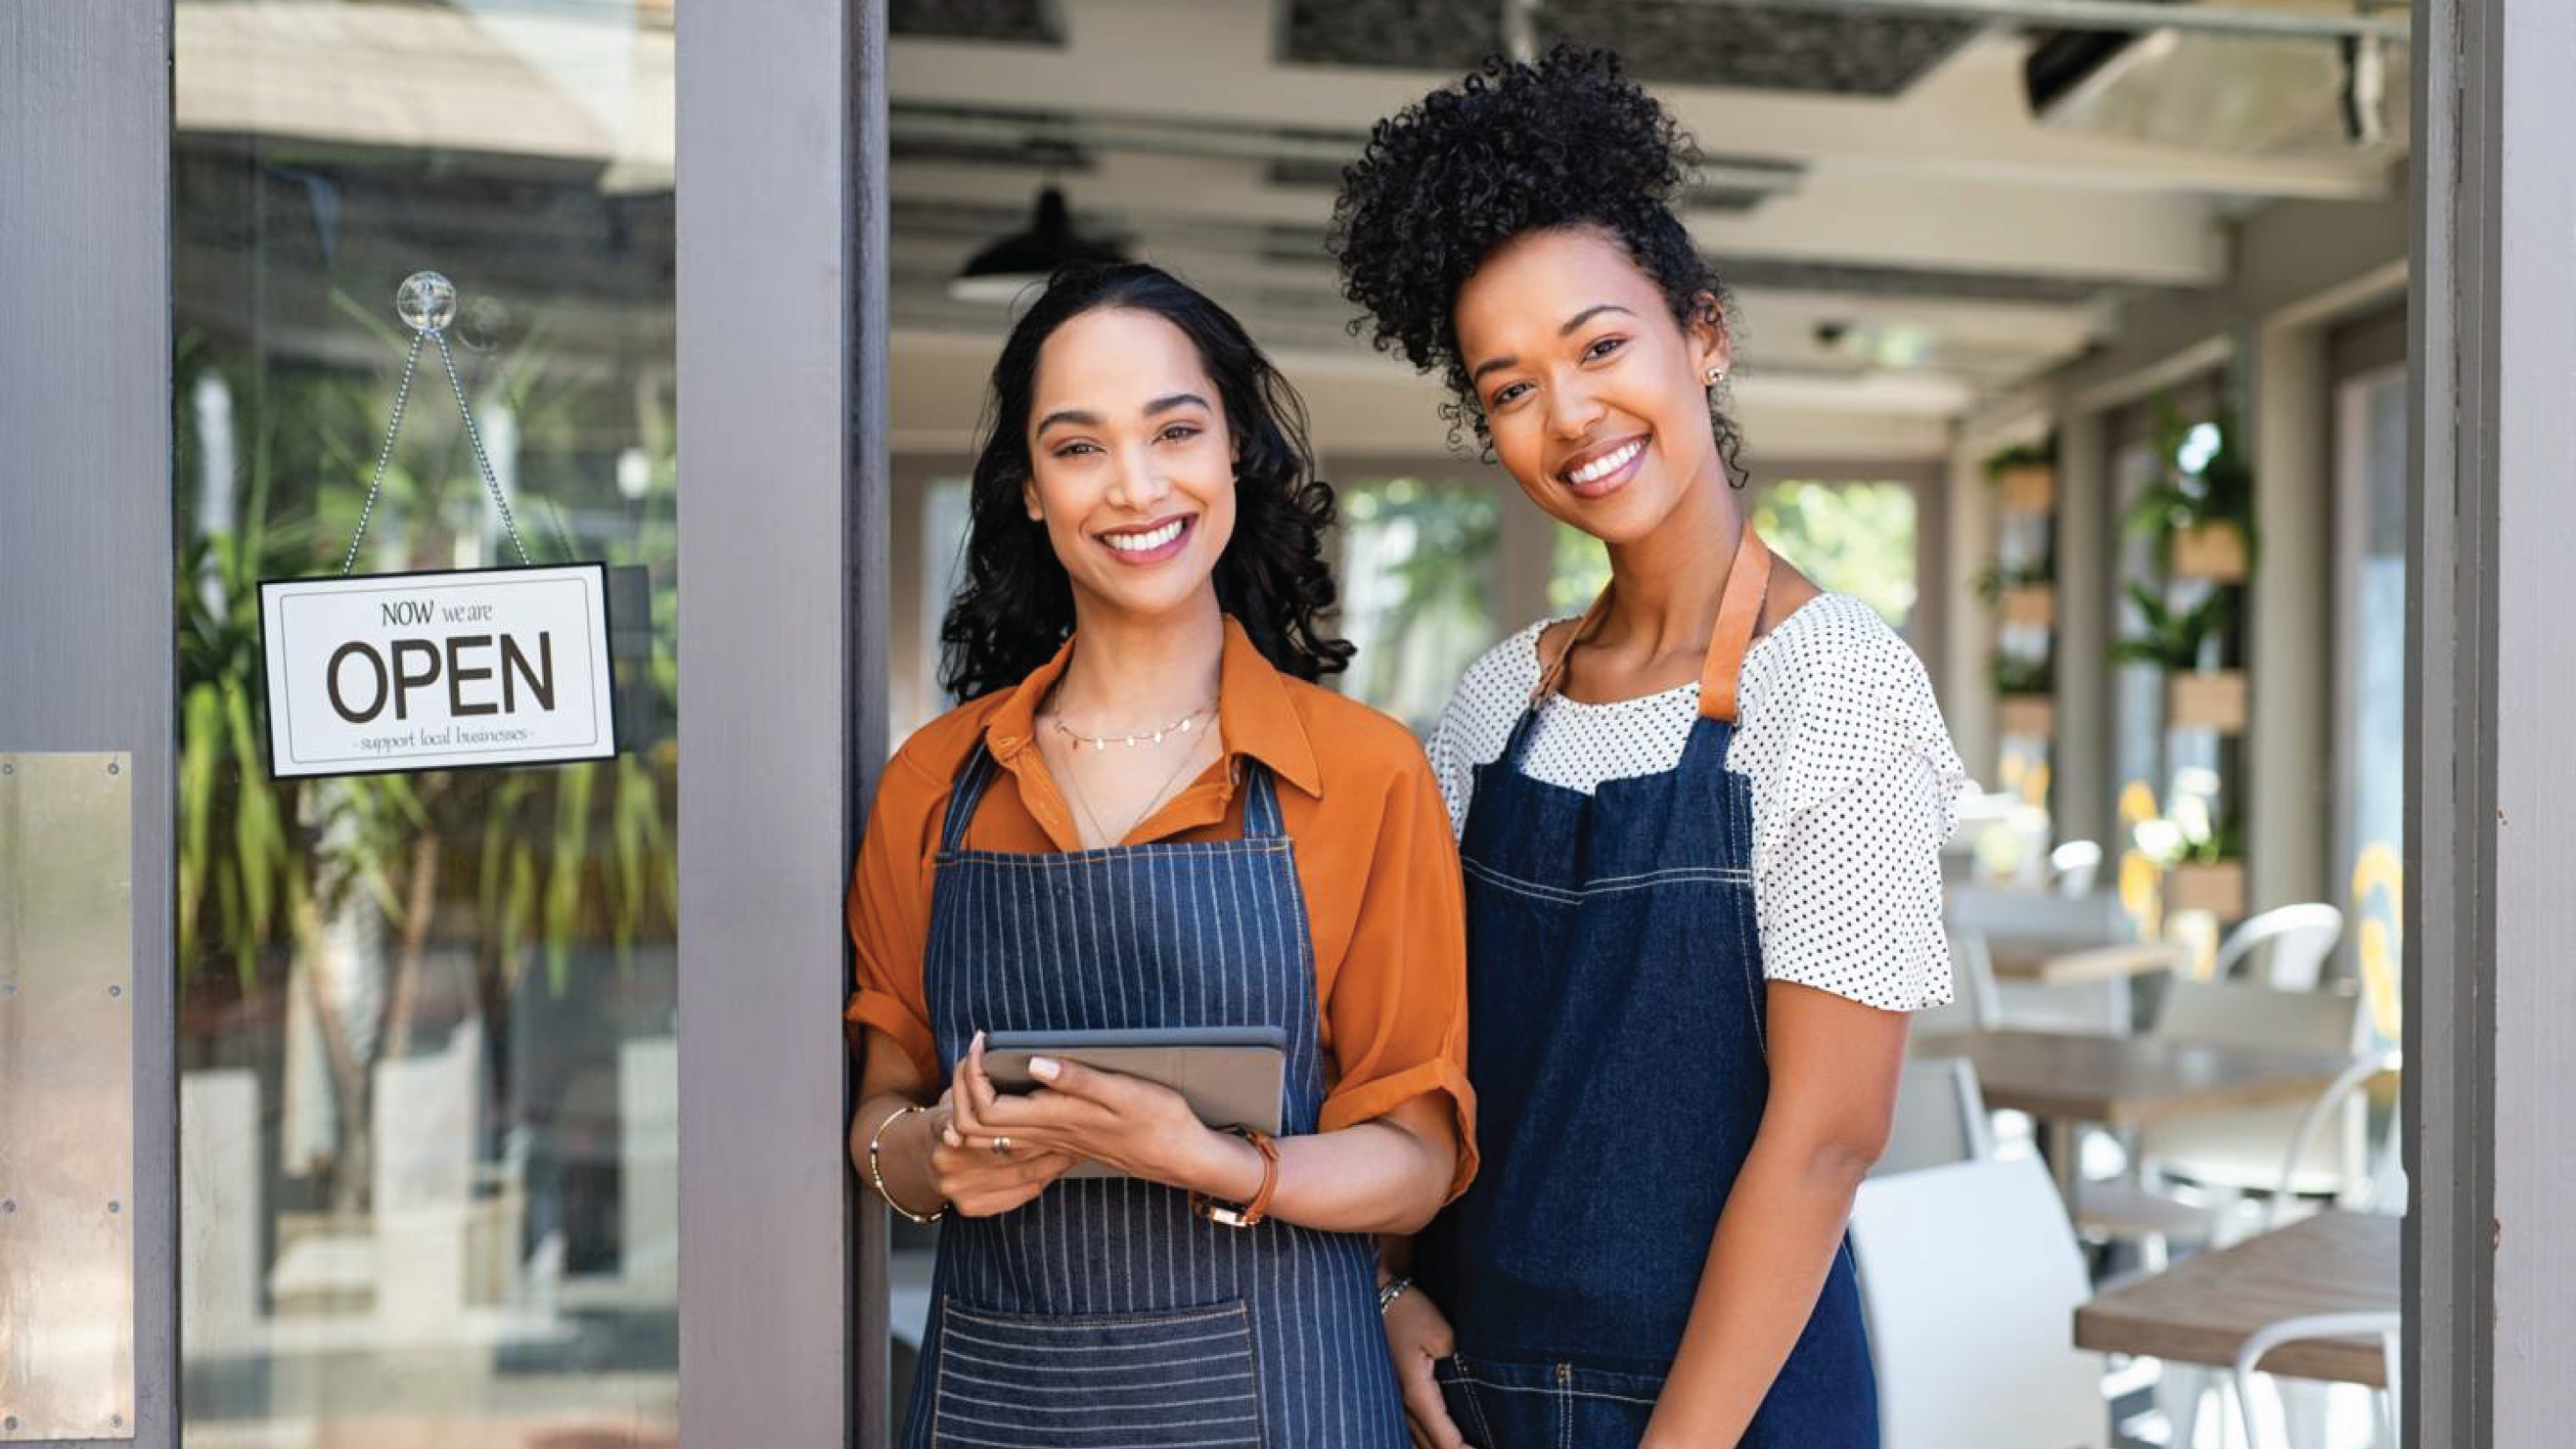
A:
x: 1418, y: 1336
x: 1140, y: 1128
x: 978, y: 1182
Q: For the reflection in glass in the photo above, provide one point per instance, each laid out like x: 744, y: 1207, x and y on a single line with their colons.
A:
x: 427, y: 1037
x: 2373, y: 569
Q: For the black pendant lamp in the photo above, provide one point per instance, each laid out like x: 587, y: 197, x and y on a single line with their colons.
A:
x: 1001, y: 272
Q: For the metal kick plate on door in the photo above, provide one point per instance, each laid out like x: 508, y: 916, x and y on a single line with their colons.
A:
x: 66, y: 1097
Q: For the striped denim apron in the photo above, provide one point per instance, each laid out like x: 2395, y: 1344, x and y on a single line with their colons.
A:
x: 1103, y: 1312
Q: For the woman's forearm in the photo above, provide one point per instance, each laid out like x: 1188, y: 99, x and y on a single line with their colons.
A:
x: 903, y: 1154
x: 1385, y: 1176
x: 1775, y: 1242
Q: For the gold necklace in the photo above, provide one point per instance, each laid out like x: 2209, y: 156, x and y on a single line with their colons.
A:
x: 1180, y: 726
x: 1074, y: 784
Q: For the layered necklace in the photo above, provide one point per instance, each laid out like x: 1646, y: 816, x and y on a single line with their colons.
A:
x: 1185, y: 729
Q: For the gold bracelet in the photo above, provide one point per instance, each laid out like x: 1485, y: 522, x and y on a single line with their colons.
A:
x: 876, y: 1139
x: 1247, y: 1214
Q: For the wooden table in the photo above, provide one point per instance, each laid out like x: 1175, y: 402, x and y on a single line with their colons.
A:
x: 2066, y: 1079
x: 2202, y: 1309
x: 2089, y: 965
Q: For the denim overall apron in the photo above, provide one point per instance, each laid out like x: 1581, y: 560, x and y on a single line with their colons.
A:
x: 1103, y: 1311
x: 1615, y: 1001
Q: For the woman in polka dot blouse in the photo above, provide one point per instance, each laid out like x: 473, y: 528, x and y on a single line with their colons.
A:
x: 1701, y: 824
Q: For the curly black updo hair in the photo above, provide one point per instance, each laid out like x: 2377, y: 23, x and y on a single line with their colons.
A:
x: 1515, y: 148
x: 1015, y: 608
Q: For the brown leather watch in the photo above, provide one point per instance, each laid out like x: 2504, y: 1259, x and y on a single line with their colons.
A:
x: 1247, y: 1214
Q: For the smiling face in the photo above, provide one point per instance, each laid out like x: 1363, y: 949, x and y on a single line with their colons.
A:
x: 1131, y: 464
x: 1595, y: 397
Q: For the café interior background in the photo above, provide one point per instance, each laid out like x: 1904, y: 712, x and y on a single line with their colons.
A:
x: 428, y: 1035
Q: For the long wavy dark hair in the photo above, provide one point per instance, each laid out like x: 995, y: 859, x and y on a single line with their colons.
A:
x: 1016, y: 606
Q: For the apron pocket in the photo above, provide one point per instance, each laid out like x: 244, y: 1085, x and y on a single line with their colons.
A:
x: 1602, y: 1407
x: 1184, y: 1376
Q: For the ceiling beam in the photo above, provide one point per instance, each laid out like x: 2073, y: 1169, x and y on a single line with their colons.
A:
x: 2275, y: 23
x: 1982, y: 225
x: 1211, y: 62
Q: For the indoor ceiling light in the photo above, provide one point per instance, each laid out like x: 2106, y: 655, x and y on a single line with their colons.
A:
x: 1001, y: 272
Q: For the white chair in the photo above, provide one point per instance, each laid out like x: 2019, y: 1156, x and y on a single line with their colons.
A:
x: 2193, y: 1173
x: 2386, y: 1327
x: 2160, y: 1217
x: 2295, y: 940
x: 1940, y: 1118
x: 1969, y: 1281
x: 2241, y: 1150
x: 1973, y: 1005
x: 2381, y: 1185
x: 1984, y: 1003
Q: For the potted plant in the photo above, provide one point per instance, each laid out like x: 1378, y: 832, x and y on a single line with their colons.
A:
x: 2202, y: 509
x: 2026, y: 707
x: 2023, y: 597
x: 2174, y: 640
x: 2203, y: 858
x: 2025, y: 478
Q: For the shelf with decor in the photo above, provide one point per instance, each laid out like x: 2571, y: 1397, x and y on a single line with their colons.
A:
x: 2025, y: 698
x: 2025, y: 478
x: 2020, y: 586
x: 2190, y: 626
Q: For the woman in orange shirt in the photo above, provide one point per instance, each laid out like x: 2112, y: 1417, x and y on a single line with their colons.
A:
x: 1148, y: 815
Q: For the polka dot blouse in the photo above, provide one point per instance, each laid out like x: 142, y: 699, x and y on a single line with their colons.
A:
x: 1853, y: 778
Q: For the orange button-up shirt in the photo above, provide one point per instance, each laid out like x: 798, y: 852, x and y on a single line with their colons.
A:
x: 1384, y: 903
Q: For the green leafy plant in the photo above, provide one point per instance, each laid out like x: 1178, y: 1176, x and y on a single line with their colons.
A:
x: 1994, y: 579
x: 2172, y: 639
x: 2219, y: 490
x: 2020, y: 455
x: 2014, y: 675
x: 2224, y: 844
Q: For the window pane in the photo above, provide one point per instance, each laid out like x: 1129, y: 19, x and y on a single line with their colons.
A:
x: 427, y: 1037
x: 1417, y: 578
x: 2374, y: 727
x: 1851, y: 538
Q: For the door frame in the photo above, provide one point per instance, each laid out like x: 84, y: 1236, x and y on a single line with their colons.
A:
x: 783, y: 536
x: 2491, y: 794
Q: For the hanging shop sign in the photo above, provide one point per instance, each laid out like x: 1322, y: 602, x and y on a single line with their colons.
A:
x: 373, y: 673
x: 437, y: 671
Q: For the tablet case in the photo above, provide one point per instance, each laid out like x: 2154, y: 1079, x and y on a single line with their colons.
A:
x: 1230, y: 1076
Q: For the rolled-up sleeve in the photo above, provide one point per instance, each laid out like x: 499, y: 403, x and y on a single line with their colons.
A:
x: 1849, y: 899
x: 1397, y: 1007
x: 889, y: 913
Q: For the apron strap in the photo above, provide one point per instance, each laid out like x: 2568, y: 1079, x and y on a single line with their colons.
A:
x: 1739, y: 612
x: 1551, y: 674
x: 964, y: 796
x: 1262, y: 819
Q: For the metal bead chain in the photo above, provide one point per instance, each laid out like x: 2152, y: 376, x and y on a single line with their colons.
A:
x: 490, y: 480
x: 384, y: 455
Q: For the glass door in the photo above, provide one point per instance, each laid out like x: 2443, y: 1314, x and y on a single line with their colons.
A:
x: 427, y: 1022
